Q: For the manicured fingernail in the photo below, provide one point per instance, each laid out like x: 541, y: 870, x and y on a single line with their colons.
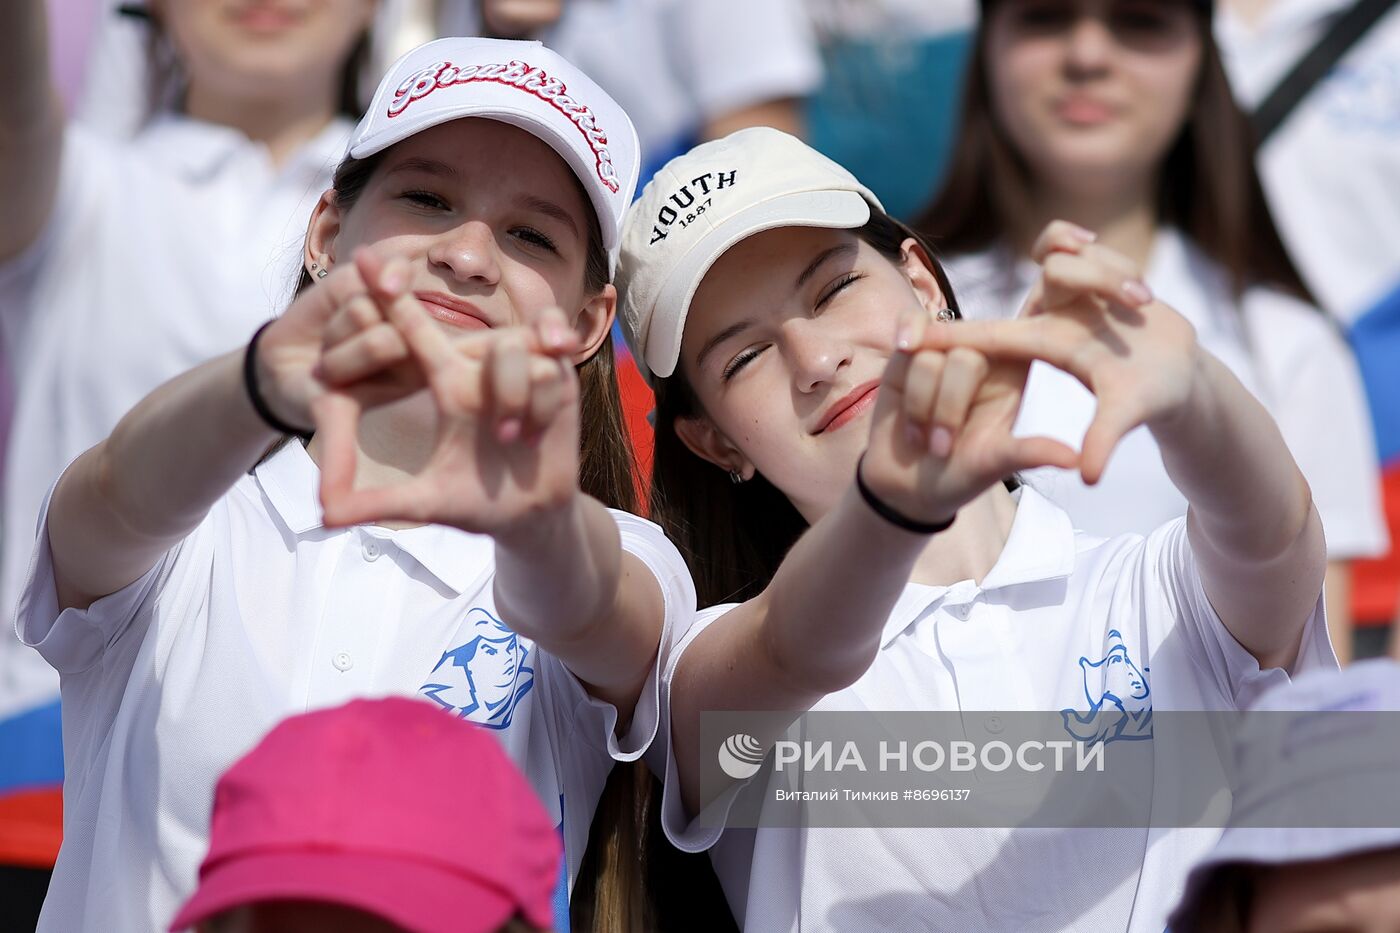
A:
x: 1081, y: 234
x: 556, y: 335
x: 940, y: 442
x: 1138, y: 292
x: 509, y: 430
x: 904, y: 339
x: 913, y: 436
x: 394, y: 280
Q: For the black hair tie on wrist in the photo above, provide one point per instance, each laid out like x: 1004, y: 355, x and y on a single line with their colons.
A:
x: 893, y: 517
x: 250, y: 385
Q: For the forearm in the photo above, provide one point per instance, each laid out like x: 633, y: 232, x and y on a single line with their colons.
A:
x: 31, y: 124
x: 1257, y: 538
x: 133, y: 496
x: 826, y: 607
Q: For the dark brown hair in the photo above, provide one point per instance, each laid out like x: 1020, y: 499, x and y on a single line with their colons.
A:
x: 607, y: 463
x: 1208, y: 185
x: 734, y: 536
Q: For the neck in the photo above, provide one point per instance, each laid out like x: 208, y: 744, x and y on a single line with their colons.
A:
x: 1124, y: 219
x: 969, y: 549
x: 392, y: 446
x: 282, y: 123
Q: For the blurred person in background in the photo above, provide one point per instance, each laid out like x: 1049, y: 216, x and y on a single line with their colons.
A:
x: 323, y: 828
x: 1330, y: 170
x: 1116, y: 114
x: 888, y: 104
x: 1321, y: 746
x: 125, y: 262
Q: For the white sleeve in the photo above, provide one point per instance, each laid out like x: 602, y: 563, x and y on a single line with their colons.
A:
x: 704, y: 831
x: 736, y: 53
x: 595, y: 719
x: 1314, y: 392
x: 74, y: 640
x: 1169, y: 567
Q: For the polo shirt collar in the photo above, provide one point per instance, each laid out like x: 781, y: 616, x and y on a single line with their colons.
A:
x: 197, y: 149
x: 1040, y: 547
x: 291, y: 481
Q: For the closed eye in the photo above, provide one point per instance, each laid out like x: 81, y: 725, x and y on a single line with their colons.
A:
x: 840, y: 285
x: 739, y: 362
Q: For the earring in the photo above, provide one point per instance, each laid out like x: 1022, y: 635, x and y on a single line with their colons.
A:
x: 736, y: 477
x: 320, y: 273
x: 947, y: 314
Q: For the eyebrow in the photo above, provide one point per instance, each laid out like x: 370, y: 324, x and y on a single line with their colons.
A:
x: 549, y: 209
x: 732, y: 330
x: 429, y: 166
x: 823, y: 257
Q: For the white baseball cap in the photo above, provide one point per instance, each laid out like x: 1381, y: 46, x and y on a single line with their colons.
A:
x: 1295, y: 756
x: 523, y: 84
x: 702, y: 203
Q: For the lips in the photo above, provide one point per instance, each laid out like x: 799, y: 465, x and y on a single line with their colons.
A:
x: 263, y: 17
x: 1084, y: 111
x: 849, y: 407
x: 452, y: 310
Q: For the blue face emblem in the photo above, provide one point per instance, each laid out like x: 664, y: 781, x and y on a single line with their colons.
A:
x: 1120, y: 701
x: 484, y: 679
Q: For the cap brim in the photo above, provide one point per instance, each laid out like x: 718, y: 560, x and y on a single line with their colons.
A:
x: 418, y: 896
x: 838, y: 210
x: 548, y: 131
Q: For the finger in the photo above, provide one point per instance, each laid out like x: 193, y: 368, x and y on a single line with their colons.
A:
x: 364, y: 355
x: 921, y: 392
x: 909, y: 329
x: 385, y: 277
x: 1107, y: 429
x: 553, y: 333
x: 508, y: 376
x: 1061, y: 236
x: 426, y: 341
x: 1027, y: 453
x: 1068, y: 279
x: 410, y: 502
x: 962, y: 377
x: 358, y: 314
x: 547, y: 395
x: 336, y: 417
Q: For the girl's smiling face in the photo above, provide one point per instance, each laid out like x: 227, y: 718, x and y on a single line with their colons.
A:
x: 785, y: 343
x: 494, y: 225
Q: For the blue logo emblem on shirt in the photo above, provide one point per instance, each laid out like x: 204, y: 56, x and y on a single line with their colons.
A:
x: 1120, y: 702
x: 485, y: 679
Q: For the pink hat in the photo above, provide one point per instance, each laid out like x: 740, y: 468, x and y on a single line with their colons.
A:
x: 362, y: 806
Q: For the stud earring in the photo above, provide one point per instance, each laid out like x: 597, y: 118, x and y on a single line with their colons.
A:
x: 320, y: 273
x: 947, y: 314
x: 736, y: 477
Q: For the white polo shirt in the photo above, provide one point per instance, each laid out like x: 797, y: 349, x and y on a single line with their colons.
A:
x: 1285, y: 352
x: 262, y: 613
x: 160, y: 253
x: 1332, y: 169
x: 1027, y: 638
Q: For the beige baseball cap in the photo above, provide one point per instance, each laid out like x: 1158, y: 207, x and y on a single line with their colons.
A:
x: 702, y: 203
x: 523, y: 84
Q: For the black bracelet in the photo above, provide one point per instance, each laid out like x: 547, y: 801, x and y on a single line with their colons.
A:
x: 250, y: 385
x: 893, y: 517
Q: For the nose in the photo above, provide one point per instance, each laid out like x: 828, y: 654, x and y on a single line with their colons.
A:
x: 1089, y: 45
x: 467, y: 251
x: 815, y: 353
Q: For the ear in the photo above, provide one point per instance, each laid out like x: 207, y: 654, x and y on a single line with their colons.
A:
x: 702, y: 438
x: 917, y: 266
x: 594, y: 322
x: 322, y: 231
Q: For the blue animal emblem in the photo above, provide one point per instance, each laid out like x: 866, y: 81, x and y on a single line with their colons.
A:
x: 485, y: 679
x: 1120, y: 702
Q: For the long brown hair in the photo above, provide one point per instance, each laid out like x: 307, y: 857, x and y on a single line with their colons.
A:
x: 734, y: 536
x: 1208, y: 186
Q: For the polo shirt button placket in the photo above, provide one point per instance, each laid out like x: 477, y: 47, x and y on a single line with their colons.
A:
x: 342, y: 662
x: 371, y: 549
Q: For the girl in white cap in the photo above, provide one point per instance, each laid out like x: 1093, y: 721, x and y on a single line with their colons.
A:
x: 833, y: 447
x: 190, y: 589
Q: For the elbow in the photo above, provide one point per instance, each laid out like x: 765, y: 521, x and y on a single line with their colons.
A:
x: 810, y: 665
